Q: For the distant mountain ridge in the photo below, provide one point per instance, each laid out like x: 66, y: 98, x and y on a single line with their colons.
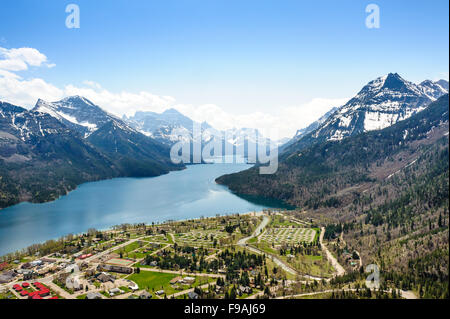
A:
x: 166, y: 127
x: 171, y: 126
x: 76, y: 112
x: 47, y: 151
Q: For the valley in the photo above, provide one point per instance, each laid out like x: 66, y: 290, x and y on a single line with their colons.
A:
x: 366, y: 184
x: 160, y: 261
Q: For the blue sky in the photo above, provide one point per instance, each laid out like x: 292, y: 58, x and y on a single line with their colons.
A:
x: 244, y: 56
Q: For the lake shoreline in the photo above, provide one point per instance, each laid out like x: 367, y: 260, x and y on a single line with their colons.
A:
x: 182, y: 195
x: 251, y: 213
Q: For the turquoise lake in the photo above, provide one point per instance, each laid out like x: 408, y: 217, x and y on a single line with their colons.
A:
x: 190, y: 193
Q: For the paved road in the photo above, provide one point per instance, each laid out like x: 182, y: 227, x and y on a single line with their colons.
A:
x: 242, y: 242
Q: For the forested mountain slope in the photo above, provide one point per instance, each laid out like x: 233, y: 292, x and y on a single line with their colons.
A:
x: 384, y: 194
x: 331, y: 174
x: 43, y: 155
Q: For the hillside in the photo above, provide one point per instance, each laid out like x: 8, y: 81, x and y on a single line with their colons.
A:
x: 379, y: 104
x: 43, y: 155
x: 330, y: 174
x: 383, y: 194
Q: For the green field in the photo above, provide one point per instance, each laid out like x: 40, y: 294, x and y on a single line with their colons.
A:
x: 130, y: 247
x: 159, y: 238
x: 154, y: 281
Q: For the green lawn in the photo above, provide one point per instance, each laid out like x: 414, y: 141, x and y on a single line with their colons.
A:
x: 281, y: 221
x: 128, y: 248
x: 153, y: 281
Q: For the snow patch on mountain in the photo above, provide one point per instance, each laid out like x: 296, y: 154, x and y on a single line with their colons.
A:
x: 381, y: 103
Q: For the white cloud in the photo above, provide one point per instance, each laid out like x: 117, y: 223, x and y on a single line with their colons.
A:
x: 19, y: 59
x: 287, y: 121
x: 25, y: 92
x: 121, y: 103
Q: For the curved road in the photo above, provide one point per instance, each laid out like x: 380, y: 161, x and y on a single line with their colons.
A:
x: 243, y: 243
x: 339, y: 269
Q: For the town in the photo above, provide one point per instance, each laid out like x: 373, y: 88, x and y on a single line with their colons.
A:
x: 268, y: 254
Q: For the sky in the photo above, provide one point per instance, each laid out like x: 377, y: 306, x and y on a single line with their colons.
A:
x: 264, y: 64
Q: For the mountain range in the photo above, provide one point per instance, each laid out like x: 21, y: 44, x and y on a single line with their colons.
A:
x: 171, y: 126
x: 47, y: 151
x: 379, y: 104
x: 358, y: 137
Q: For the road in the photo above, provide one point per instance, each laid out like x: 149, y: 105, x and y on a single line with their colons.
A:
x: 404, y: 294
x: 243, y: 243
x: 339, y: 269
x: 184, y: 273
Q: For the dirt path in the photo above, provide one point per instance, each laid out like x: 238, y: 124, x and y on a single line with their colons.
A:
x: 339, y: 269
x: 243, y: 243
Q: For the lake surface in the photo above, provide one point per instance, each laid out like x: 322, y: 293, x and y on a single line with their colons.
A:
x: 186, y: 194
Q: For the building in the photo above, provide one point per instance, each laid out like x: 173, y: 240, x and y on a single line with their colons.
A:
x: 7, y: 276
x: 35, y: 263
x: 28, y: 274
x: 74, y: 282
x: 115, y: 291
x: 133, y: 286
x: 175, y: 280
x: 145, y: 295
x: 114, y: 268
x: 93, y: 295
x: 26, y: 266
x: 245, y: 290
x: 104, y: 277
x: 189, y: 280
x: 192, y: 295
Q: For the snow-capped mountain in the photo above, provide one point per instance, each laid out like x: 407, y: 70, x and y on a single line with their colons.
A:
x: 28, y: 126
x: 40, y: 139
x: 311, y: 127
x: 108, y: 133
x: 45, y: 152
x: 167, y: 127
x: 306, y: 130
x: 434, y: 90
x: 381, y: 103
x: 172, y: 126
x: 77, y: 113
